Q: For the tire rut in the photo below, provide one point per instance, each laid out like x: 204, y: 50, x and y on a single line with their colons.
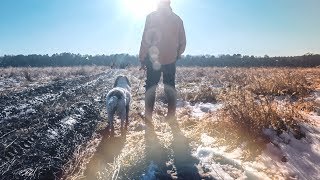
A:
x: 40, y: 128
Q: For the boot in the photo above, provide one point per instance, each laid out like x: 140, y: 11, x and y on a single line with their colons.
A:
x: 149, y: 106
x: 172, y: 101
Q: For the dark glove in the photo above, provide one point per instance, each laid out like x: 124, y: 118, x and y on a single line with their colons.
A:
x: 143, y: 65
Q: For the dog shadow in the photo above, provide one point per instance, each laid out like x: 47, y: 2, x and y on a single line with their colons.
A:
x: 109, y: 148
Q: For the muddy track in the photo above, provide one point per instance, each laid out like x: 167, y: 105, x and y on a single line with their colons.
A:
x: 40, y: 128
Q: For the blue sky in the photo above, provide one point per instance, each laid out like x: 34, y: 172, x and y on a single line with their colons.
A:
x: 252, y: 27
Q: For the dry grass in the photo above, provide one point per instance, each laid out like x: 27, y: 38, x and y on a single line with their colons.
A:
x: 75, y: 167
x: 265, y: 81
x: 52, y: 72
x: 131, y: 159
x: 17, y: 79
x: 203, y: 93
x: 27, y: 76
x: 283, y: 82
x: 254, y: 113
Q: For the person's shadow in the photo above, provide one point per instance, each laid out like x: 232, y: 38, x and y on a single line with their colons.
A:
x: 184, y: 166
x: 156, y: 154
x: 185, y: 163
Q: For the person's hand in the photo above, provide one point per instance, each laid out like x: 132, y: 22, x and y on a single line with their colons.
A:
x: 178, y: 57
x: 142, y: 66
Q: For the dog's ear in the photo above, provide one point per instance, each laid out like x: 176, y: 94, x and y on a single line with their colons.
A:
x: 128, y: 81
x: 116, y: 81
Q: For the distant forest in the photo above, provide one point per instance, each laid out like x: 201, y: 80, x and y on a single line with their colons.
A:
x: 125, y: 60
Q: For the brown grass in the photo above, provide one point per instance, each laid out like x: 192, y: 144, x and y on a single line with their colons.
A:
x: 203, y: 93
x: 254, y: 113
x: 265, y: 81
x: 283, y: 82
x: 17, y: 79
x: 75, y: 167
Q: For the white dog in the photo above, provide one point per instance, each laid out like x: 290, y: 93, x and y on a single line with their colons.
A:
x: 118, y: 100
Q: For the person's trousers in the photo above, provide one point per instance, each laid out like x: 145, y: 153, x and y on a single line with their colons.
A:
x: 153, y: 77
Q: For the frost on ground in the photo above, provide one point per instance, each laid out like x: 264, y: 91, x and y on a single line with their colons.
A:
x: 285, y: 157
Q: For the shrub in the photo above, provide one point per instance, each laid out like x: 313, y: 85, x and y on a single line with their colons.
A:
x: 204, y: 93
x: 285, y: 82
x: 27, y: 75
x: 253, y: 113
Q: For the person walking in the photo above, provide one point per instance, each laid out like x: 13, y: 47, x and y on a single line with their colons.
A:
x: 163, y: 43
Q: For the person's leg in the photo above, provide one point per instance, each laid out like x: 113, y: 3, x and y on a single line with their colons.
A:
x: 169, y: 73
x: 153, y: 78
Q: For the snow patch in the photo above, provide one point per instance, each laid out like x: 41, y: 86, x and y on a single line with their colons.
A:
x: 52, y: 133
x: 16, y: 111
x: 200, y: 109
x: 284, y: 158
x: 207, y: 140
x: 218, y: 165
x: 291, y: 158
x: 39, y: 100
x: 68, y: 122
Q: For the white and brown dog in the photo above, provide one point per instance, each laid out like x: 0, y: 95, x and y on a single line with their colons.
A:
x: 118, y: 101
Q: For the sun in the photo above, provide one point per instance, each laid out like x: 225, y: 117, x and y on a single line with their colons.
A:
x: 138, y: 8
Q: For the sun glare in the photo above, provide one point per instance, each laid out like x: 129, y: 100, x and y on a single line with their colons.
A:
x: 139, y: 8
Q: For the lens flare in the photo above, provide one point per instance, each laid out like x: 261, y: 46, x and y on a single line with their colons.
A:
x: 139, y: 9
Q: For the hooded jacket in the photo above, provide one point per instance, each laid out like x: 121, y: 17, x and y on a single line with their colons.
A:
x: 163, y: 38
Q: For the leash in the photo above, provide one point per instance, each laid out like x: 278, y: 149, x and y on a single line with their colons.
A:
x: 143, y: 76
x: 141, y: 115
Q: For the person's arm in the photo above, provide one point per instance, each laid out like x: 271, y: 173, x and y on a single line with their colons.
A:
x: 144, y: 43
x: 182, y: 41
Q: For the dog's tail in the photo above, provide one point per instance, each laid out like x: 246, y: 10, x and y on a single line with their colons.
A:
x: 112, y: 102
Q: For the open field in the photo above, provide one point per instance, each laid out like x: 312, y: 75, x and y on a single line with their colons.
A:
x: 236, y: 123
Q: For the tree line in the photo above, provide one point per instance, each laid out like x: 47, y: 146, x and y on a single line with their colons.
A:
x: 125, y: 60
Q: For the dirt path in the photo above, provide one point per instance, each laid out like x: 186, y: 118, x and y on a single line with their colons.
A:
x: 41, y: 127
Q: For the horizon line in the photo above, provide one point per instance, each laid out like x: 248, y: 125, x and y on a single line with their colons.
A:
x: 184, y: 55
